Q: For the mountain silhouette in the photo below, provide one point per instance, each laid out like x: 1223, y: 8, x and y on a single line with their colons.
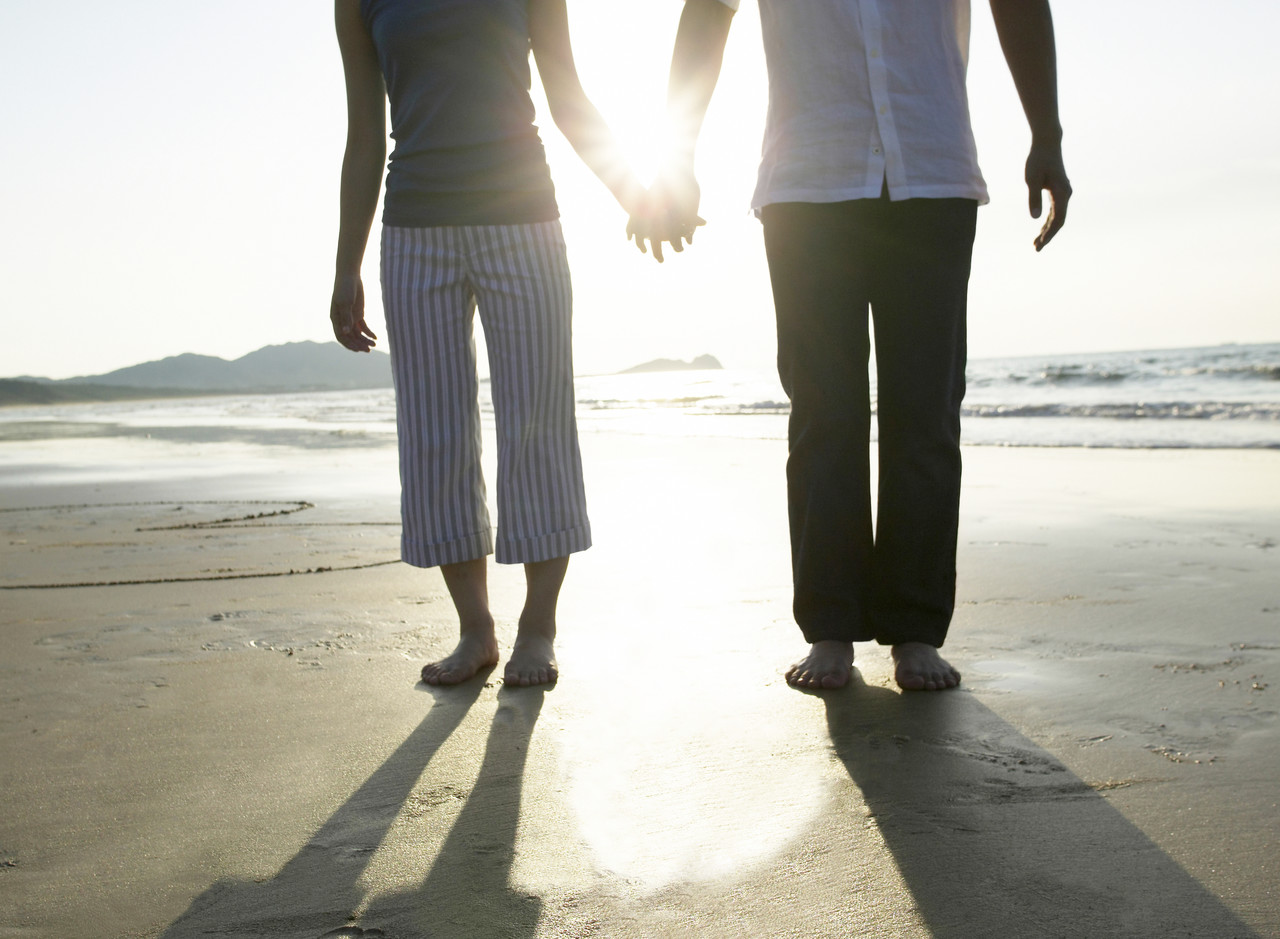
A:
x: 293, y: 366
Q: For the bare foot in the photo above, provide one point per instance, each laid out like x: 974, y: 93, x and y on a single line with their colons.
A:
x: 827, y: 665
x: 473, y: 653
x: 921, y: 668
x: 533, y: 658
x: 532, y: 662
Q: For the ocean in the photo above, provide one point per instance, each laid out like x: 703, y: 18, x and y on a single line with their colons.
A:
x: 1215, y: 397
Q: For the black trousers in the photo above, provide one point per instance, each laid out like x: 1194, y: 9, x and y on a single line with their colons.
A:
x: 908, y: 262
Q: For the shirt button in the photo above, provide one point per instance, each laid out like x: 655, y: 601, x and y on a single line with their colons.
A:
x: 875, y: 53
x: 875, y: 150
x: 883, y: 109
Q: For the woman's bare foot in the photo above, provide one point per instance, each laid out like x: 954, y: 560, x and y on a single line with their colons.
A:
x: 919, y: 667
x: 533, y: 658
x: 532, y: 662
x: 475, y: 651
x: 477, y: 646
x: 828, y: 665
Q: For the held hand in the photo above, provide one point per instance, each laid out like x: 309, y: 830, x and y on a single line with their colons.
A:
x: 670, y: 213
x: 642, y: 227
x: 346, y: 313
x: 1045, y: 170
x: 657, y: 227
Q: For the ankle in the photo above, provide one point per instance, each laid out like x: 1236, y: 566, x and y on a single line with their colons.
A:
x: 477, y: 628
x: 535, y: 628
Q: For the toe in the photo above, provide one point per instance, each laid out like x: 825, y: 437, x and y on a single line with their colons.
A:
x: 911, y: 682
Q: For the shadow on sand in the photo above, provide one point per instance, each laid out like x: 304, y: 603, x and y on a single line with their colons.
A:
x: 317, y: 894
x: 991, y: 834
x: 994, y: 836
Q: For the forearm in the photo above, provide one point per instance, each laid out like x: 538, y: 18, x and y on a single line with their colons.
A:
x: 1025, y: 28
x: 695, y: 69
x: 358, y: 202
x: 573, y: 113
x: 595, y: 144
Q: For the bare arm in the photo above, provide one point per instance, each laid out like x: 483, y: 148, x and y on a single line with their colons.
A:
x: 362, y: 166
x: 1025, y: 28
x: 571, y: 110
x: 695, y: 69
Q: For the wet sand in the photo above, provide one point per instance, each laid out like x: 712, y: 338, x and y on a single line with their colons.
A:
x: 226, y: 736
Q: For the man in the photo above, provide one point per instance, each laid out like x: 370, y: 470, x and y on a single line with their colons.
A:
x: 868, y: 193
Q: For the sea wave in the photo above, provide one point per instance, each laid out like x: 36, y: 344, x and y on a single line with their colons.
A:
x: 1173, y: 410
x: 1219, y: 397
x: 1203, y: 367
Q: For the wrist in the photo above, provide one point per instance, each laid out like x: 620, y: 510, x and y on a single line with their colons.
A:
x: 631, y: 196
x: 1049, y: 136
x: 680, y: 158
x: 681, y: 147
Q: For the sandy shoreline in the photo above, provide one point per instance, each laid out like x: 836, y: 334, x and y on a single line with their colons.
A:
x: 250, y: 756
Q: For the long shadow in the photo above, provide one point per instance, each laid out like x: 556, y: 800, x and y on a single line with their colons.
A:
x: 467, y: 892
x: 994, y: 836
x: 317, y: 890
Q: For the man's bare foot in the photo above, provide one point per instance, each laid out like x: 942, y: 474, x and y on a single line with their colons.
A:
x: 828, y: 665
x: 475, y: 651
x: 532, y: 662
x: 921, y: 668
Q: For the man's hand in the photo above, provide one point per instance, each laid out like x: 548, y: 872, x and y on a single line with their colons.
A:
x: 1045, y: 171
x: 346, y: 313
x: 670, y: 213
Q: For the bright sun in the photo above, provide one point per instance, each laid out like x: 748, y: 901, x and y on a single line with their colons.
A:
x: 623, y: 54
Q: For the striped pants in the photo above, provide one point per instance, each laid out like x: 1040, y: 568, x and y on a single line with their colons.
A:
x: 433, y: 281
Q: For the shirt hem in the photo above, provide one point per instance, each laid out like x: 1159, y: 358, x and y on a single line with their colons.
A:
x: 898, y: 194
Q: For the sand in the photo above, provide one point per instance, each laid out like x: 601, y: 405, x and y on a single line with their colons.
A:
x: 227, y: 736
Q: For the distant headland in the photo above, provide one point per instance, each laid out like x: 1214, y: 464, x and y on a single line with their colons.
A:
x: 291, y: 367
x: 674, y: 365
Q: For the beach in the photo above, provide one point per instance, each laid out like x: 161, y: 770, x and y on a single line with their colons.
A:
x: 212, y: 722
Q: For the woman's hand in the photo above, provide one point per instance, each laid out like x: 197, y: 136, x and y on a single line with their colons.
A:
x: 669, y: 213
x: 346, y: 313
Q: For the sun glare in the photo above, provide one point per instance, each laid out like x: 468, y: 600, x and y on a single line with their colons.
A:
x: 622, y: 55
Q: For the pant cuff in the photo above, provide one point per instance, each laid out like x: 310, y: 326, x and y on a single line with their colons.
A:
x: 428, y: 554
x: 544, y: 547
x: 930, y: 632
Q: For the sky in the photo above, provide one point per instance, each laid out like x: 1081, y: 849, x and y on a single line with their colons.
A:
x: 169, y: 184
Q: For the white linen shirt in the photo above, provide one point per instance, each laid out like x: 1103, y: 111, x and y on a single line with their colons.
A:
x: 864, y: 93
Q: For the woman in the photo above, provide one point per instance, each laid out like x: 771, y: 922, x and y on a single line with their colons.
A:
x: 470, y: 221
